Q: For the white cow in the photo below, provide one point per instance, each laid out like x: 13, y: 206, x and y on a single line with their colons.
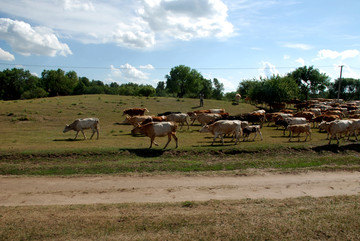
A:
x: 223, y: 127
x: 354, y: 128
x: 337, y: 128
x: 179, y: 118
x: 82, y: 124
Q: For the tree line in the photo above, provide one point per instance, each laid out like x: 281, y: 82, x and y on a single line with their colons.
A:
x: 182, y: 81
x: 301, y: 84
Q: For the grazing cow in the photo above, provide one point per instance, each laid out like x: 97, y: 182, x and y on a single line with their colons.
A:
x: 222, y: 128
x: 253, y: 118
x: 334, y: 112
x: 158, y: 129
x: 354, y: 128
x: 326, y: 118
x: 298, y: 129
x: 135, y: 120
x: 179, y: 118
x: 193, y: 114
x: 306, y: 114
x: 252, y: 129
x: 325, y: 126
x: 168, y: 113
x: 154, y: 119
x: 277, y: 106
x: 205, y: 118
x: 291, y: 121
x: 135, y: 111
x: 82, y: 124
x: 337, y: 128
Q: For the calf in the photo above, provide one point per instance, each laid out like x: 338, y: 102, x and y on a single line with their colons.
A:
x: 82, y: 124
x: 298, y: 129
x: 135, y: 111
x: 252, y: 129
x: 222, y: 128
x: 158, y: 129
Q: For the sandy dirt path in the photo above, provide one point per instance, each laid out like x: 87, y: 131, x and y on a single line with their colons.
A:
x: 21, y: 191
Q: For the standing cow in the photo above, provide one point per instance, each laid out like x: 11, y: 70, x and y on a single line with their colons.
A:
x: 82, y: 124
x: 158, y: 129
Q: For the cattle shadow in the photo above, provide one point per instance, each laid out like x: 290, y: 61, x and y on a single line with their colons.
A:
x: 145, y: 152
x: 69, y: 140
x: 337, y: 148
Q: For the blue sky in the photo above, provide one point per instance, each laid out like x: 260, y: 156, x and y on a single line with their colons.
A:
x: 140, y: 41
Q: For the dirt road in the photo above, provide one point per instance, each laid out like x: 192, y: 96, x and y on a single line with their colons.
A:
x: 21, y: 191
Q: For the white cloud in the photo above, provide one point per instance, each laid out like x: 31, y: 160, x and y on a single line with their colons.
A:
x: 131, y: 24
x: 4, y: 55
x: 127, y: 73
x: 331, y: 54
x: 187, y: 19
x: 286, y: 57
x: 297, y: 46
x: 267, y: 70
x: 148, y: 66
x: 301, y: 61
x: 77, y: 5
x: 28, y: 40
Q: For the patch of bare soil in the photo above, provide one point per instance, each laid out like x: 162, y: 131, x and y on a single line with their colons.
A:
x: 22, y: 191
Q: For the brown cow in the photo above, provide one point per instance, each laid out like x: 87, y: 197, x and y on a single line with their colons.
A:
x: 158, y: 129
x: 135, y: 111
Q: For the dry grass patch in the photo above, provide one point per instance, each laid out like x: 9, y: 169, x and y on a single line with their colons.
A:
x: 334, y: 218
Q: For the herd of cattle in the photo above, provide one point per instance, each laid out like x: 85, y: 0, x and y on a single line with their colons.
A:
x: 334, y: 118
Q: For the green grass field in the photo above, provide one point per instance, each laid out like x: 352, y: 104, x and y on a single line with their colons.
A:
x: 32, y: 141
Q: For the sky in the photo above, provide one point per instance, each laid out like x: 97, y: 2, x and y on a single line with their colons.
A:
x: 140, y: 41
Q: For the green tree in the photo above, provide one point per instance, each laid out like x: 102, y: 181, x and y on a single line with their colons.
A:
x: 245, y: 86
x: 218, y: 91
x: 14, y: 82
x: 349, y: 89
x: 275, y: 89
x: 184, y: 81
x: 310, y: 81
x: 160, y: 89
x: 56, y: 82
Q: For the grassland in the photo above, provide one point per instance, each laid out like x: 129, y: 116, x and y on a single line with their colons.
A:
x: 32, y: 143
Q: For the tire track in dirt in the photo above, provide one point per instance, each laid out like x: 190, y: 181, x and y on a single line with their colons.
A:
x: 22, y: 191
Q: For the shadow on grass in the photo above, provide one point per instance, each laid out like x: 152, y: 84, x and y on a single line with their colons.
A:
x: 336, y: 149
x: 145, y: 152
x: 68, y: 139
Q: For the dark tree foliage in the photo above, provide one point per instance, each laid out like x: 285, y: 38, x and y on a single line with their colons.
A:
x: 19, y: 83
x: 186, y: 82
x: 218, y: 91
x: 270, y: 90
x: 349, y: 89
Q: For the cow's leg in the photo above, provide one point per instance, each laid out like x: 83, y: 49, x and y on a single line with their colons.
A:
x: 76, y: 135
x: 255, y: 135
x: 175, y: 138
x: 93, y: 132
x: 290, y: 137
x: 215, y: 136
x: 222, y: 138
x: 82, y: 131
x: 260, y: 134
x: 187, y: 123
x: 169, y: 139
